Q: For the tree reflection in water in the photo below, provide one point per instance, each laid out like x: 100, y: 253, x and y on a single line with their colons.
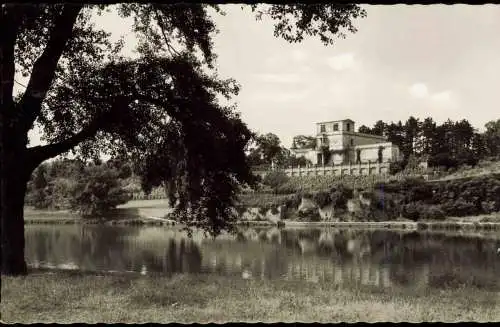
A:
x: 380, y: 258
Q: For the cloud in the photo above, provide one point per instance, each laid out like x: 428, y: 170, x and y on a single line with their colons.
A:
x: 419, y: 90
x: 342, y: 62
x: 278, y: 78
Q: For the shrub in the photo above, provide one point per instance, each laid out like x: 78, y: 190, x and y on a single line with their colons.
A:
x: 419, y: 192
x: 460, y: 208
x: 432, y: 212
x: 489, y: 206
x: 388, y: 203
x: 285, y: 189
x: 274, y: 210
x: 467, y: 158
x: 396, y: 167
x: 309, y: 215
x: 340, y: 195
x: 409, y: 182
x: 263, y: 210
x: 240, y: 210
x: 275, y: 179
x: 322, y: 199
x: 38, y: 198
x: 97, y: 191
x: 443, y: 160
x: 293, y: 202
x: 411, y: 211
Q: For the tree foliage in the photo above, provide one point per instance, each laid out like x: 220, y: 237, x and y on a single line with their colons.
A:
x: 275, y: 179
x: 326, y: 21
x: 90, y: 189
x: 97, y: 191
x: 491, y: 138
x: 304, y: 142
x: 450, y: 144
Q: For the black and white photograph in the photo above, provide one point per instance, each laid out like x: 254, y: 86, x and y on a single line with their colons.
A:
x: 204, y: 162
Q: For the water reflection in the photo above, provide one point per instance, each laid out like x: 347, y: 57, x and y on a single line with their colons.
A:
x: 377, y: 258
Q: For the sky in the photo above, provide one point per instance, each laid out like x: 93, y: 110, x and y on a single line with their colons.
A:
x: 440, y: 61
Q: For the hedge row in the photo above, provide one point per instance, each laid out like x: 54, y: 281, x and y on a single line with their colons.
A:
x: 417, y: 199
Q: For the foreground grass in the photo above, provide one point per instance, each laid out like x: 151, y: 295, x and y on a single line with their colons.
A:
x: 66, y: 297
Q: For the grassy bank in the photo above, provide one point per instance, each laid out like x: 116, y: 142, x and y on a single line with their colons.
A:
x: 136, y: 212
x: 65, y: 297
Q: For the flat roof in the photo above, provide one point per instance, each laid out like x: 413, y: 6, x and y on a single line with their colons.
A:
x: 336, y: 121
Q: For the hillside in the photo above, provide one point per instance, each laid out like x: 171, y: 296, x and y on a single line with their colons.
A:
x: 483, y: 168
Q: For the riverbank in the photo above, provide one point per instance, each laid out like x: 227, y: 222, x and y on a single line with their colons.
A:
x: 323, y: 198
x: 123, y: 216
x: 393, y: 225
x: 70, y: 297
x: 405, y: 225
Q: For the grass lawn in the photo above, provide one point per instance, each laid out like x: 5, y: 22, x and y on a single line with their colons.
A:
x: 69, y: 297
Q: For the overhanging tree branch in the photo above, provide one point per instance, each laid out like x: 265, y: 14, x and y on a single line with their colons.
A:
x: 100, y: 122
x: 44, y: 152
x: 45, y: 66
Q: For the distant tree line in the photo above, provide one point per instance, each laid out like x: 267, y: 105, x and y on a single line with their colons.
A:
x: 450, y: 144
x: 90, y: 189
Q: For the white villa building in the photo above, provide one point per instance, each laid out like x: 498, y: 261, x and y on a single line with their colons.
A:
x: 337, y: 143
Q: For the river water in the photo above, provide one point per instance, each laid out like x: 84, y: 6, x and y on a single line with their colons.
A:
x: 381, y: 259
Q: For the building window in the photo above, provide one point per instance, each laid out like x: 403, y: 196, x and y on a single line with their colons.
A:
x: 348, y: 127
x: 358, y: 155
x: 335, y: 127
x: 324, y: 140
x: 352, y: 142
x: 322, y: 129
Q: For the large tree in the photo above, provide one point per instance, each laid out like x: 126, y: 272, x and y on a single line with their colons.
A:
x: 492, y: 137
x: 160, y: 110
x: 267, y: 149
x: 379, y: 128
x: 428, y: 135
x: 411, y: 133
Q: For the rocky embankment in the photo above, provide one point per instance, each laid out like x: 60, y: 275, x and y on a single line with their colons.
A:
x: 306, y: 209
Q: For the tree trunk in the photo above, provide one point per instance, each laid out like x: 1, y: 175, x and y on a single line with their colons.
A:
x: 15, y: 174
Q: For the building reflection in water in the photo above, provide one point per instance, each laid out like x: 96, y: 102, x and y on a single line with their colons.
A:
x: 376, y: 258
